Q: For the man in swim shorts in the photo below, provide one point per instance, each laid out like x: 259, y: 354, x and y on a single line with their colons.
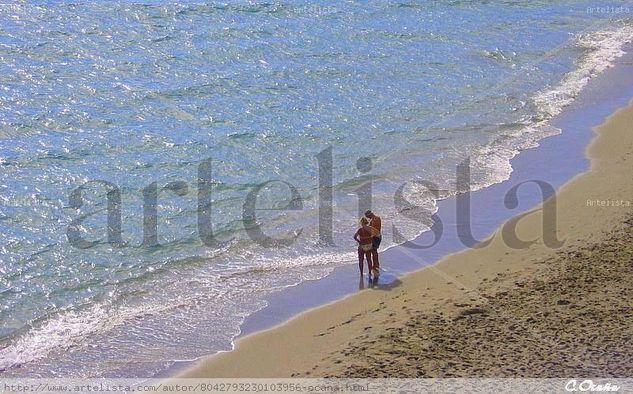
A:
x: 376, y: 223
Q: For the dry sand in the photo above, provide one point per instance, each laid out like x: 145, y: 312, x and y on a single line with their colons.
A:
x: 494, y: 311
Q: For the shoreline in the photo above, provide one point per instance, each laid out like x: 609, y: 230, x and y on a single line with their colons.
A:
x: 600, y: 98
x: 183, y: 181
x: 315, y: 333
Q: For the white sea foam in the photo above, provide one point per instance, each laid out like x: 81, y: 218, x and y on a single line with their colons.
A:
x: 59, y: 333
x: 69, y: 329
x: 603, y: 49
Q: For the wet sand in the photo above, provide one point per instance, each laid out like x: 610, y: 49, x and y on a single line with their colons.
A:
x: 493, y: 311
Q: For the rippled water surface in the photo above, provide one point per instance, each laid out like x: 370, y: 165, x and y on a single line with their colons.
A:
x: 122, y: 96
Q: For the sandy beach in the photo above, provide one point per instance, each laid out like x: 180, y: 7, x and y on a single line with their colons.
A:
x: 488, y: 312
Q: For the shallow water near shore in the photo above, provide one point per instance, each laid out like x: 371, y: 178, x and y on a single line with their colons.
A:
x: 557, y: 160
x: 127, y: 94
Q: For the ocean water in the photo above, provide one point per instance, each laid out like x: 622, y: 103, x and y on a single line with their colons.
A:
x: 248, y: 96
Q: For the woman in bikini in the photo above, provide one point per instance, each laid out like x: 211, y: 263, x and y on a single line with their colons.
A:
x: 364, y: 237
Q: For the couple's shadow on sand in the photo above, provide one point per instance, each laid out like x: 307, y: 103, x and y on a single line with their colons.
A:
x: 381, y: 282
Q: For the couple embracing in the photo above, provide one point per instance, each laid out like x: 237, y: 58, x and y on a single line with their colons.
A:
x: 369, y: 237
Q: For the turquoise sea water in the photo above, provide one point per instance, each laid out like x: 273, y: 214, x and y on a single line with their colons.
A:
x: 136, y: 93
